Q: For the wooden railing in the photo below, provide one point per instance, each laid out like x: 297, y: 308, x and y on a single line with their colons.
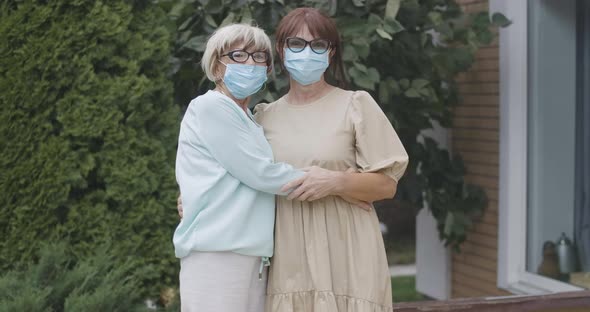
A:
x: 578, y: 301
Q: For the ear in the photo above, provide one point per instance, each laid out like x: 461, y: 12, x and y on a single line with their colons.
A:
x: 331, y: 57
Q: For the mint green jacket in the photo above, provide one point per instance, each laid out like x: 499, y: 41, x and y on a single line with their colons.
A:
x: 228, y: 180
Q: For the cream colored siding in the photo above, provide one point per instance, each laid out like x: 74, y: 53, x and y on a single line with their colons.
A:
x: 475, y: 136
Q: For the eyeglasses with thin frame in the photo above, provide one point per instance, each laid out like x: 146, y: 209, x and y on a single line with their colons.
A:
x: 242, y: 56
x: 296, y: 45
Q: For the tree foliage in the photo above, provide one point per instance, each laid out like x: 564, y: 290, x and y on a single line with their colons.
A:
x: 405, y: 52
x: 56, y: 283
x: 88, y: 131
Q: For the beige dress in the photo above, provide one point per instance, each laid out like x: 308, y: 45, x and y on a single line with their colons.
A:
x: 329, y: 255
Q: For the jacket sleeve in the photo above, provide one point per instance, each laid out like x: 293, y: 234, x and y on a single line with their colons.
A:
x: 224, y: 132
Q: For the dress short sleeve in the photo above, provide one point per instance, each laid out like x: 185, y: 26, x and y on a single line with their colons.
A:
x: 378, y: 148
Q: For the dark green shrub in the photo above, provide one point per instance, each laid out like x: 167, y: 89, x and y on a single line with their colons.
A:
x: 55, y: 283
x: 88, y: 133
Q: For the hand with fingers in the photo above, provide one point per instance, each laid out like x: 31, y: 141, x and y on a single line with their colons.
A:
x: 315, y: 184
x: 318, y: 183
x: 179, y: 206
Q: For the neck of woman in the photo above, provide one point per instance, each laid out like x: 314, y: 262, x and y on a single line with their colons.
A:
x: 243, y: 103
x: 300, y: 95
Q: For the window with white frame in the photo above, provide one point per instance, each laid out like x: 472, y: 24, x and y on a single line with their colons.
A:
x: 552, y: 190
x: 544, y: 238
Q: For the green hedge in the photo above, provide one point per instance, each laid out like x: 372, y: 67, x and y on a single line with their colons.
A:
x: 87, y: 132
x: 94, y: 284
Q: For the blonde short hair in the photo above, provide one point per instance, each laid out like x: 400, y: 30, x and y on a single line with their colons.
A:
x: 223, y: 38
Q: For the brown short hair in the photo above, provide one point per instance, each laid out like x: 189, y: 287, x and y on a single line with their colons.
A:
x: 320, y: 25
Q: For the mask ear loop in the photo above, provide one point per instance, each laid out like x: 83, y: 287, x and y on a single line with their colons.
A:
x: 220, y: 80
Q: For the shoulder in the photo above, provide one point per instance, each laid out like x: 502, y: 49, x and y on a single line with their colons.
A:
x: 362, y: 97
x: 363, y: 102
x: 364, y: 108
x: 212, y: 104
x: 353, y: 98
x: 264, y: 109
x: 267, y: 107
x: 261, y: 108
x: 208, y: 101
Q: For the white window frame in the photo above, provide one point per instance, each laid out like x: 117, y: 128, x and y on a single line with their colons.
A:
x: 512, y: 274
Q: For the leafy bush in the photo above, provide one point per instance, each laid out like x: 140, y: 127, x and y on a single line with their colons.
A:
x: 88, y: 132
x: 405, y: 52
x: 55, y: 283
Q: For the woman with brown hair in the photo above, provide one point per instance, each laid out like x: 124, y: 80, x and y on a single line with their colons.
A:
x: 329, y: 254
x: 228, y: 179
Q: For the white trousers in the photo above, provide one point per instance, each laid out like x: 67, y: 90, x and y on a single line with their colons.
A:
x: 221, y: 282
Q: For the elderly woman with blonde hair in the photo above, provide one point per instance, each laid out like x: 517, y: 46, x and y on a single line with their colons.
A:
x: 228, y: 180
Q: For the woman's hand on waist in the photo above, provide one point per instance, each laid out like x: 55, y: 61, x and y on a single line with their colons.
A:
x: 315, y: 184
x: 318, y: 183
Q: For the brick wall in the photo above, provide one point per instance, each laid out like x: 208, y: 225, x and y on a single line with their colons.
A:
x: 475, y: 136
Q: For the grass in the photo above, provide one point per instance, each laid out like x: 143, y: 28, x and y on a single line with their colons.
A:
x: 402, y: 250
x: 404, y: 289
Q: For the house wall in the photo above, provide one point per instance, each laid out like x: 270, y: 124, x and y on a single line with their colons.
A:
x: 475, y: 136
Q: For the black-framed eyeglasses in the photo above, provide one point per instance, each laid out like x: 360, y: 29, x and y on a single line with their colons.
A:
x: 296, y: 45
x: 242, y: 56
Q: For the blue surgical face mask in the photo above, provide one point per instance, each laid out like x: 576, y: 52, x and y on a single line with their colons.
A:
x: 306, y: 67
x: 243, y: 80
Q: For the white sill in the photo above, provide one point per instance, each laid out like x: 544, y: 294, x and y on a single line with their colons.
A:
x: 533, y: 284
